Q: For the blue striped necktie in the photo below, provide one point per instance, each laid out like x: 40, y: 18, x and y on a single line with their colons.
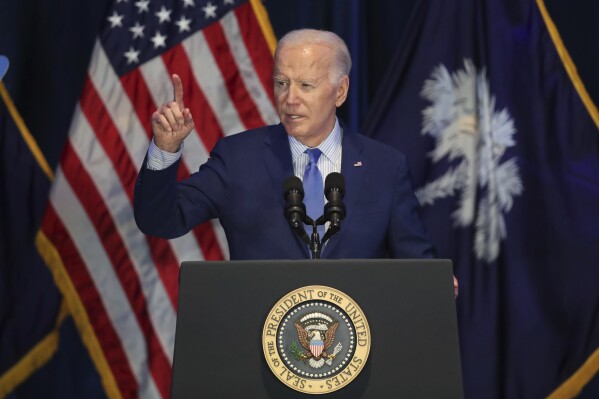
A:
x: 313, y: 189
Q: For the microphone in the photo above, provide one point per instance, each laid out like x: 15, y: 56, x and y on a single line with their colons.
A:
x: 295, y: 210
x: 334, y: 190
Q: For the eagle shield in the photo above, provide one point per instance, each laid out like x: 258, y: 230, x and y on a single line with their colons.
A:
x: 316, y: 334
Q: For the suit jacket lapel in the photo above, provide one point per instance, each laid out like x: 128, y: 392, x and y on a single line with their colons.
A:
x: 279, y: 164
x: 353, y: 167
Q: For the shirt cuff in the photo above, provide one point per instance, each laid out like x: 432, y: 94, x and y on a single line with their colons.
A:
x: 159, y: 159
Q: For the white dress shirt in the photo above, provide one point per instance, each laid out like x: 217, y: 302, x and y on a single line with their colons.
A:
x: 329, y: 161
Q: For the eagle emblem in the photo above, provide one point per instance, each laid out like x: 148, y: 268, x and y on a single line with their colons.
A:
x: 316, y: 334
x: 311, y: 341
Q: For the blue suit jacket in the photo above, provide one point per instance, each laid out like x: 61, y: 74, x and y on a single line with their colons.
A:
x: 242, y: 185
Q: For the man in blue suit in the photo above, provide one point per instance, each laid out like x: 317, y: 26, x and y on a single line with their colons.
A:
x: 242, y: 182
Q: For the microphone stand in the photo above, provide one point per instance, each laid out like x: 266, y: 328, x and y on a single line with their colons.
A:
x: 315, y: 243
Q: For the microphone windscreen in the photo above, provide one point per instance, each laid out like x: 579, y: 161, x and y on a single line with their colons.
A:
x: 293, y: 183
x: 334, y: 181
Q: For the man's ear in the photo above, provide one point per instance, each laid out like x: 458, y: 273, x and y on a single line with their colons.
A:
x: 342, y: 90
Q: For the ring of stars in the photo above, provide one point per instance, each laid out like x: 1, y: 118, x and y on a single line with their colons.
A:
x: 341, y: 316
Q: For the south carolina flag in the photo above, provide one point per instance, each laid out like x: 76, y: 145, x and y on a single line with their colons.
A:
x: 503, y: 144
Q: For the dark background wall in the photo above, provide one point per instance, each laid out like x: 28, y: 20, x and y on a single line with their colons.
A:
x: 49, y: 43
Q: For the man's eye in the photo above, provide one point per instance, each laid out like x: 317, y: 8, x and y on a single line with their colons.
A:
x: 281, y: 83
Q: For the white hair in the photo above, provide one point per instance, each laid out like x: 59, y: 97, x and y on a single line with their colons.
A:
x: 341, y: 64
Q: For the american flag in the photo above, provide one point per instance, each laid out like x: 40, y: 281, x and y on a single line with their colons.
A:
x: 121, y: 286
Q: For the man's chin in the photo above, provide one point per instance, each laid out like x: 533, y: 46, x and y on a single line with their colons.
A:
x: 293, y: 130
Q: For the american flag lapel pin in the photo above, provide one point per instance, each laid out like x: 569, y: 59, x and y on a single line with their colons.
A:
x: 359, y: 163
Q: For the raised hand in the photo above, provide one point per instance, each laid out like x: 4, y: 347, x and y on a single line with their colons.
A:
x: 172, y: 122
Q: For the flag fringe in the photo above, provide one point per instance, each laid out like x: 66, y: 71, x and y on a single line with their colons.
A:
x: 36, y: 358
x: 80, y: 316
x: 568, y: 63
x: 264, y: 21
x: 27, y: 136
x: 573, y: 385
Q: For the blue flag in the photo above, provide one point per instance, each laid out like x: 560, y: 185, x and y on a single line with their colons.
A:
x: 503, y: 143
x: 28, y: 298
x: 41, y: 354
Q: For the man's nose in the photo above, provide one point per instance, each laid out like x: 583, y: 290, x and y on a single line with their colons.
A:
x: 292, y: 95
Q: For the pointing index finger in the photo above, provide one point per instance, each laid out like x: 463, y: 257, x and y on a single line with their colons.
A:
x: 178, y: 90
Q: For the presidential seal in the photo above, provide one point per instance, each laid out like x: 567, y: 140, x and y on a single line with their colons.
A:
x: 316, y: 339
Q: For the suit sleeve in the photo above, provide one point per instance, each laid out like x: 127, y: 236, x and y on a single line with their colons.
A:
x: 408, y: 236
x: 166, y: 208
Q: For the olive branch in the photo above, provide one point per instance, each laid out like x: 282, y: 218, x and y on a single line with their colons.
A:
x: 296, y: 351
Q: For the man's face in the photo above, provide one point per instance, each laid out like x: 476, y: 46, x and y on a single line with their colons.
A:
x: 306, y: 98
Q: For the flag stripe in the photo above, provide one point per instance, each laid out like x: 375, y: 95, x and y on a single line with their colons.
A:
x: 243, y: 102
x: 221, y: 238
x: 118, y: 106
x: 161, y: 90
x: 134, y: 85
x: 52, y: 226
x: 244, y: 63
x: 207, y: 239
x: 211, y: 83
x: 254, y: 39
x: 115, y: 253
x: 107, y: 135
x: 102, y: 179
x: 88, y: 245
x: 205, y: 120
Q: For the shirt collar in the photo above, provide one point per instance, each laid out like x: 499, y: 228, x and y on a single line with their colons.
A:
x: 330, y: 147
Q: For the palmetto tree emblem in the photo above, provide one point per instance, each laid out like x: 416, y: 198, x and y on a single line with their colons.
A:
x: 468, y: 128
